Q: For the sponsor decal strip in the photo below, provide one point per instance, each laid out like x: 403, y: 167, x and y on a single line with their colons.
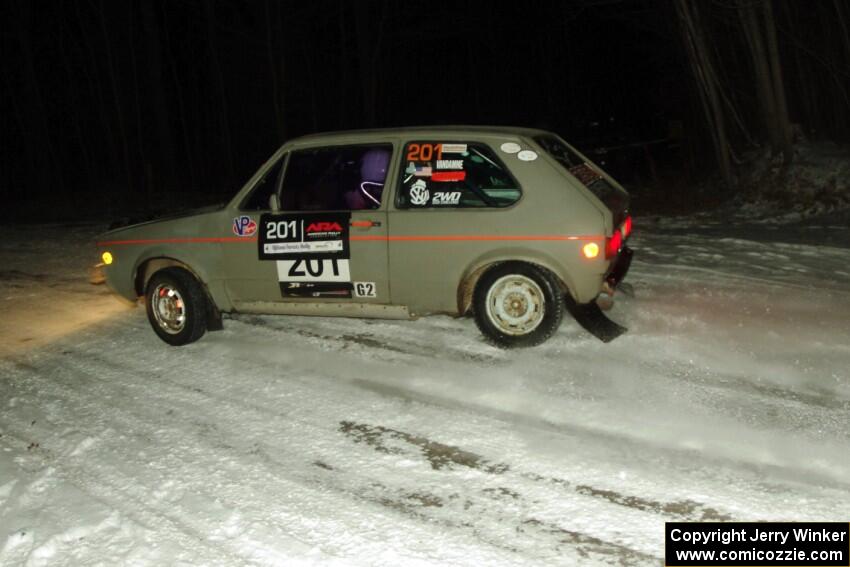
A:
x: 210, y: 240
x: 472, y: 237
x: 449, y: 237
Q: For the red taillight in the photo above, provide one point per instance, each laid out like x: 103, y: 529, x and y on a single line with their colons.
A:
x: 613, y: 244
x: 627, y: 227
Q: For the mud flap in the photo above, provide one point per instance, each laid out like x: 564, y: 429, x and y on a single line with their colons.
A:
x: 593, y: 320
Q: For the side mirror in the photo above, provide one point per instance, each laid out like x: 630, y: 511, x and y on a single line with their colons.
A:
x: 274, y: 203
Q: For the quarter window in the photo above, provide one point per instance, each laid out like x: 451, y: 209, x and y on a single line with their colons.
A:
x: 258, y: 199
x: 343, y: 178
x: 454, y: 175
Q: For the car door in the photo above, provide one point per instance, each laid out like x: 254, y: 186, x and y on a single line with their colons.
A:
x: 327, y: 245
x: 452, y: 208
x: 248, y: 280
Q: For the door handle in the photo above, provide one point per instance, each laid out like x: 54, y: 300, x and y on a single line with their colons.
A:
x: 365, y: 223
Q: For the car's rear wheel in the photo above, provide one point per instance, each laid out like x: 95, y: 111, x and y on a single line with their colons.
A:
x: 517, y: 305
x: 176, y: 305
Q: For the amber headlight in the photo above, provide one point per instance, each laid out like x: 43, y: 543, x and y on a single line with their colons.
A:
x: 107, y: 258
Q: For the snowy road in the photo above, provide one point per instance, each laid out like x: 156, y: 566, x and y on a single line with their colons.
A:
x: 286, y: 440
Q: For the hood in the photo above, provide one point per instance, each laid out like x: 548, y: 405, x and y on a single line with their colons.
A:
x: 154, y: 217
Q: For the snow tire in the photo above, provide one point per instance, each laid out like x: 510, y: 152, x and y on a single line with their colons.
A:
x: 517, y: 305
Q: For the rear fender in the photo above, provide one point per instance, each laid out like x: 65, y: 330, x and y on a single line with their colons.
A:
x: 466, y: 289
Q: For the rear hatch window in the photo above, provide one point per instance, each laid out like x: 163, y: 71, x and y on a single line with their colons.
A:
x: 612, y: 197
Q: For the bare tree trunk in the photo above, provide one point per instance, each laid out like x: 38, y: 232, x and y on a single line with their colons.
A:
x: 784, y: 123
x: 215, y: 69
x: 343, y: 78
x: 147, y: 175
x: 178, y: 89
x: 38, y: 130
x: 273, y: 57
x: 845, y: 35
x: 758, y: 56
x: 703, y: 70
x: 368, y: 46
x: 116, y: 95
x: 91, y: 174
x: 165, y: 147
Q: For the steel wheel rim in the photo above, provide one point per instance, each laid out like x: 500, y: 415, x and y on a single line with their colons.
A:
x: 515, y: 304
x: 169, y: 309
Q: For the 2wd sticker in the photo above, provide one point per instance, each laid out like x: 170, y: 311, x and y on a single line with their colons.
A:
x: 365, y: 289
x: 446, y: 198
x: 244, y: 226
x: 419, y: 194
x: 304, y: 235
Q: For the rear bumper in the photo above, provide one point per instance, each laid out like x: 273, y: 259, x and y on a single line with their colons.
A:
x: 620, y: 268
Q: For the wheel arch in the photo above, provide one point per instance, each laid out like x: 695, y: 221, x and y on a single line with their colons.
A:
x: 466, y: 287
x: 150, y: 266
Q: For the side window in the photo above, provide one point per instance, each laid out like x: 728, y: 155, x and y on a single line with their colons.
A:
x: 347, y: 178
x: 258, y: 199
x: 454, y: 175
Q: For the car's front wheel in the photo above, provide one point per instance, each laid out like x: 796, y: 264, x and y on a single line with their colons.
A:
x: 517, y: 305
x: 176, y: 305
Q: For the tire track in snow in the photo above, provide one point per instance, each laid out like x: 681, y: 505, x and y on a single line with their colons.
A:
x: 130, y: 420
x: 608, y: 436
x: 101, y: 489
x: 164, y: 398
x: 452, y: 455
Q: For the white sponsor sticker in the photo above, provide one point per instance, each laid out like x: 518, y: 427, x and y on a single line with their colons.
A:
x: 449, y: 164
x: 301, y: 247
x: 365, y: 289
x: 527, y: 155
x: 453, y: 148
x: 419, y: 194
x: 511, y: 147
x: 323, y: 270
x: 446, y: 198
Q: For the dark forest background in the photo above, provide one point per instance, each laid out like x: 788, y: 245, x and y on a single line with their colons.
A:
x: 115, y: 107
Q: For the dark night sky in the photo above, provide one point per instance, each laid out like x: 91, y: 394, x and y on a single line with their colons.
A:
x: 120, y: 105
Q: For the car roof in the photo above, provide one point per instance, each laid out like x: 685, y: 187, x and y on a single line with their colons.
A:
x: 457, y: 131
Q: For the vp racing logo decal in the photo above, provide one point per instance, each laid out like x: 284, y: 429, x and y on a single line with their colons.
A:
x: 244, y: 226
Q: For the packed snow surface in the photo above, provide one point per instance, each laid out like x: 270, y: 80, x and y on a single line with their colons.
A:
x: 287, y: 440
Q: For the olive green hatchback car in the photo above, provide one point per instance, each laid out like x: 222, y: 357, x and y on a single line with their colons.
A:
x: 512, y: 225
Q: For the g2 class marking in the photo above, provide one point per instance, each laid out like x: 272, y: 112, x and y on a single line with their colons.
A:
x: 365, y: 289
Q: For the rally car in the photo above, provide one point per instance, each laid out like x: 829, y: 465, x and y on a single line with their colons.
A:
x: 511, y: 225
